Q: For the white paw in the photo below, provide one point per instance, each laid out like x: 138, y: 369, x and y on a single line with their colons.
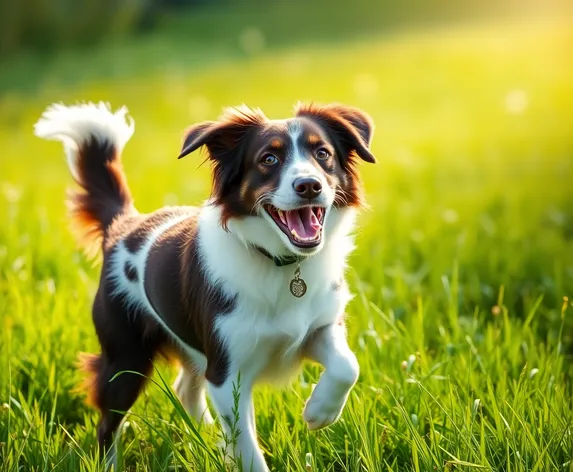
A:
x: 255, y: 463
x: 322, y: 410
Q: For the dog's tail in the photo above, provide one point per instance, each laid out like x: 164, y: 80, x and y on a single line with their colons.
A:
x: 93, y: 139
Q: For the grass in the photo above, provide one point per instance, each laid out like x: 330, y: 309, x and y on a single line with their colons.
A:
x: 459, y: 323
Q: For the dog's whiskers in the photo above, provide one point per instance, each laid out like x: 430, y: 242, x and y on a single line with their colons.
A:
x: 260, y: 202
x: 341, y: 197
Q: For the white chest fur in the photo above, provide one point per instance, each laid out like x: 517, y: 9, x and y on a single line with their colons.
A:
x: 265, y: 331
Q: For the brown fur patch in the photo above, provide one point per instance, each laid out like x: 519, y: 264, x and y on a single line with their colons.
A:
x: 276, y: 144
x: 178, y: 290
x: 313, y: 139
x: 139, y: 231
x: 89, y: 365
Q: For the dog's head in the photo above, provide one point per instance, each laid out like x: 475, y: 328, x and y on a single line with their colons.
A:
x: 285, y: 176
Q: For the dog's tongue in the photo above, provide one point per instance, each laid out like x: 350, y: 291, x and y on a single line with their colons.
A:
x: 304, y: 222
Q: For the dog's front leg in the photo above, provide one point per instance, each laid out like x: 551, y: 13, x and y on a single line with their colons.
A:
x: 328, y: 346
x: 237, y: 418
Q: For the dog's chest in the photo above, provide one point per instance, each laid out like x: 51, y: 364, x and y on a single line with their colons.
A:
x: 265, y: 339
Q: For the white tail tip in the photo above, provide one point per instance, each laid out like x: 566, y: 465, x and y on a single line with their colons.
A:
x: 75, y: 125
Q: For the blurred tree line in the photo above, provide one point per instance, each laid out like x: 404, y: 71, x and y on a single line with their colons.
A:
x: 48, y: 24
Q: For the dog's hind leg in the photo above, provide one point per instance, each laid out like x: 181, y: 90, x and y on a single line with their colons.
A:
x: 190, y: 388
x: 125, y: 347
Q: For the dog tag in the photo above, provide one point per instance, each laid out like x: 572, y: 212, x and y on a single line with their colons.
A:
x: 297, y: 285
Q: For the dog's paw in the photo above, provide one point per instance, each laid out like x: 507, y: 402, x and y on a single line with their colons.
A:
x: 327, y: 401
x: 322, y: 410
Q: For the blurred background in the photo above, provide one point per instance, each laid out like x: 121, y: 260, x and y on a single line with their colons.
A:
x: 48, y: 26
x: 468, y: 243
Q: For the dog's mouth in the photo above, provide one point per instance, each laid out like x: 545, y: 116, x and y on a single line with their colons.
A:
x: 303, y: 226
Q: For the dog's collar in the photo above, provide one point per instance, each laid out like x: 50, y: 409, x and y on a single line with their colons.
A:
x: 297, y: 284
x: 281, y: 261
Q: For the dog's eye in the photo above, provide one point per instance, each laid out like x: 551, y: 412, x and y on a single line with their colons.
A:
x: 269, y: 160
x: 322, y: 154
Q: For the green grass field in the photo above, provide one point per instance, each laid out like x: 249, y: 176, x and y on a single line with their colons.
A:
x: 460, y: 324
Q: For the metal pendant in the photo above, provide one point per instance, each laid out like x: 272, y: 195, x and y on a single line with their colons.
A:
x: 297, y: 285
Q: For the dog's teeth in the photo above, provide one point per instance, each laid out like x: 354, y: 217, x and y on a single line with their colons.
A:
x: 281, y: 216
x: 295, y: 234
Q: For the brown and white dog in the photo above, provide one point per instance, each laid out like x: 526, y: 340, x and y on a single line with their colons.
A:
x: 250, y: 283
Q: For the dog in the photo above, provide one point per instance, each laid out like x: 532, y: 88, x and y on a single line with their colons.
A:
x: 248, y: 285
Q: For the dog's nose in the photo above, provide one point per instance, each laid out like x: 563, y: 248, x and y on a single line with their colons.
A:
x: 307, y: 187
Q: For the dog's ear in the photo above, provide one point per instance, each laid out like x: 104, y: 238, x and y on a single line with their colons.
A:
x: 225, y: 141
x: 195, y: 137
x: 352, y: 127
x: 223, y: 136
